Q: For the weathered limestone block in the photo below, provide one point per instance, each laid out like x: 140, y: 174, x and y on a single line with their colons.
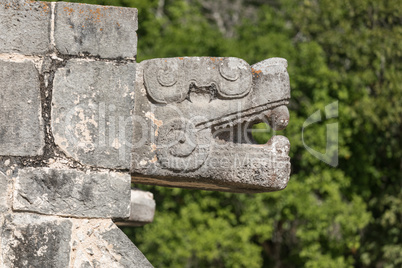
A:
x: 24, y: 27
x: 142, y: 209
x: 99, y: 243
x: 72, y: 193
x: 192, y: 124
x: 92, y: 111
x: 108, y: 32
x: 4, y: 193
x: 29, y: 240
x: 21, y: 128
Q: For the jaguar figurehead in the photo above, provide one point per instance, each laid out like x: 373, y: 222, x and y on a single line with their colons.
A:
x: 192, y: 124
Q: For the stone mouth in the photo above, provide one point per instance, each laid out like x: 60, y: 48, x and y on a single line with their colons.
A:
x: 239, y: 130
x: 254, y: 114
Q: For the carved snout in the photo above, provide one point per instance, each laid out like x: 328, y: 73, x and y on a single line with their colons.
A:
x: 279, y: 118
x: 198, y: 111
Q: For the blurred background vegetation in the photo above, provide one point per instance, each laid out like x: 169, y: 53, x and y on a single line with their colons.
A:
x: 344, y: 216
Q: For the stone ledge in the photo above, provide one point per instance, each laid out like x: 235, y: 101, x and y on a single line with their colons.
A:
x: 142, y: 209
x: 72, y: 193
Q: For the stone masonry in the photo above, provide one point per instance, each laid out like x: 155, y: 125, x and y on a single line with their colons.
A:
x: 81, y: 120
x: 66, y: 99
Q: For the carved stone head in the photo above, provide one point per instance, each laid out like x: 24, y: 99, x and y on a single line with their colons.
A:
x: 193, y: 119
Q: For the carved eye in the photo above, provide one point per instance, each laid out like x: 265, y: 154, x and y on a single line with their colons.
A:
x: 237, y: 78
x: 229, y: 69
x: 167, y: 77
x: 163, y: 80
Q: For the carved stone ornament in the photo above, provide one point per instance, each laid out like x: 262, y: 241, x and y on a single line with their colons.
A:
x: 193, y: 119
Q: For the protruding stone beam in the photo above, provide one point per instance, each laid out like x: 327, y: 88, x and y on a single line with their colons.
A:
x: 193, y: 119
x: 142, y: 209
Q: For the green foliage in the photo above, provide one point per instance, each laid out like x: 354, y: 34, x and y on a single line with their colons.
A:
x: 346, y: 216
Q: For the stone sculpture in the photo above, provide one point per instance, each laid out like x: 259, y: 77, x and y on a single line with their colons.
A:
x: 81, y: 120
x: 192, y: 122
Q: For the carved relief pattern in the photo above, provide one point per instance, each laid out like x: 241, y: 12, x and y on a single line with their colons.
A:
x: 203, y: 107
x: 181, y: 147
x: 168, y: 80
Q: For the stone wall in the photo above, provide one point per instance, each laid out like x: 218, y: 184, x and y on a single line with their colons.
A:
x: 80, y: 121
x: 67, y: 76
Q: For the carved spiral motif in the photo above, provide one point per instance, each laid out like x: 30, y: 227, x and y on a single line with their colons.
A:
x: 229, y: 71
x: 168, y: 80
x: 238, y: 78
x: 167, y: 77
x: 181, y: 147
x: 162, y: 80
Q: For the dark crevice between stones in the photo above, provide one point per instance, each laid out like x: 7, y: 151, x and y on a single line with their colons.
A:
x: 46, y: 76
x: 89, y: 56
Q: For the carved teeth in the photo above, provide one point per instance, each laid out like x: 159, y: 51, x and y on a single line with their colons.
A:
x: 260, y: 114
x: 238, y: 121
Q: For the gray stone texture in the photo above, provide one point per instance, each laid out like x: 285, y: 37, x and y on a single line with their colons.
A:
x: 98, y: 243
x: 92, y: 112
x: 72, y: 193
x: 35, y: 241
x: 129, y: 253
x: 108, y: 32
x: 142, y: 209
x: 193, y: 120
x: 24, y: 27
x: 4, y: 194
x: 21, y: 128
